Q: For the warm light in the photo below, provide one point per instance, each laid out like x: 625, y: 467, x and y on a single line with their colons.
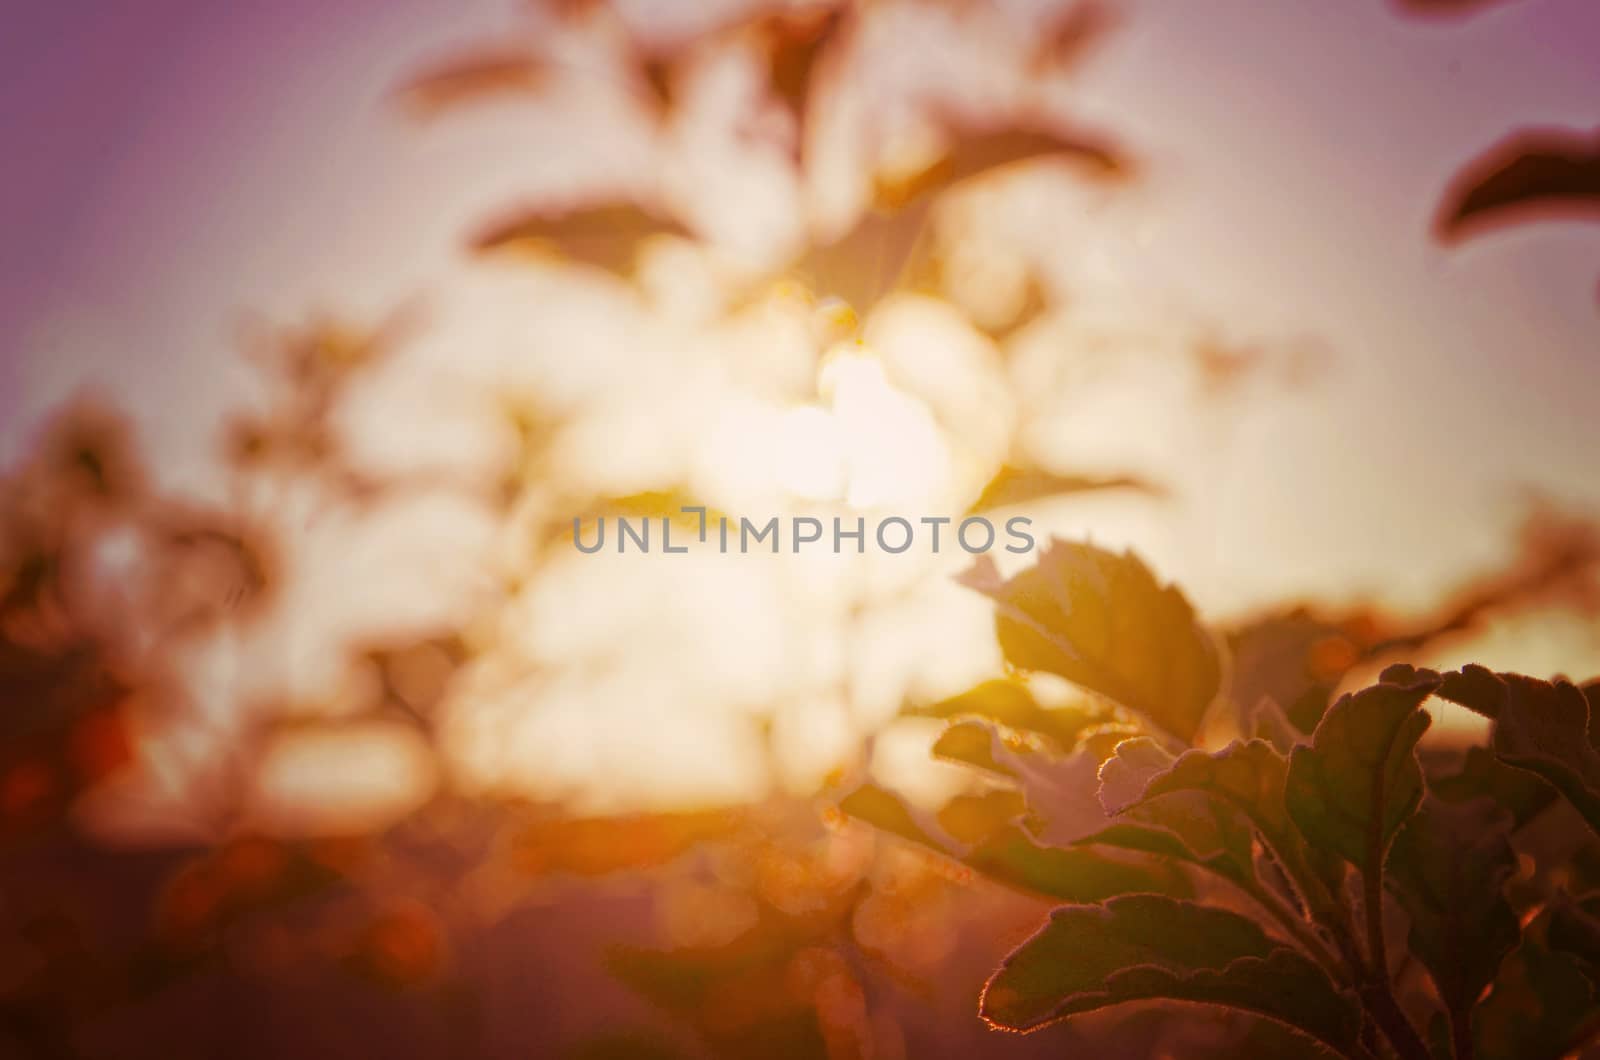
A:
x: 893, y: 448
x: 811, y: 458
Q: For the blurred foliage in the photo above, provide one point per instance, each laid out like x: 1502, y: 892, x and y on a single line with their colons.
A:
x: 1210, y: 875
x: 1299, y: 859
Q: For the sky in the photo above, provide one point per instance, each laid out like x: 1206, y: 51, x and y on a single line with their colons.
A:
x: 181, y: 169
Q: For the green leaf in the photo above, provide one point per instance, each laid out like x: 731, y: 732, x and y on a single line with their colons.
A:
x: 1101, y: 620
x: 1540, y: 726
x: 1448, y: 869
x: 1359, y: 780
x: 1146, y: 947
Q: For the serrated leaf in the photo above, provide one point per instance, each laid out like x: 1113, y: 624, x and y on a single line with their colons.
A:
x: 1127, y: 773
x: 1188, y: 826
x: 1103, y: 622
x: 1215, y: 802
x: 1448, y: 869
x: 1148, y: 947
x: 1358, y: 781
x: 1554, y: 171
x: 1482, y: 775
x: 1059, y: 788
x: 1540, y: 726
x: 1248, y: 776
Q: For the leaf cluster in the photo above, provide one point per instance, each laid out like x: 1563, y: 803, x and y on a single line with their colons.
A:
x: 1320, y: 878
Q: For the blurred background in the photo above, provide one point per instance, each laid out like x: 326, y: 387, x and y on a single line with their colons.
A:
x: 324, y: 321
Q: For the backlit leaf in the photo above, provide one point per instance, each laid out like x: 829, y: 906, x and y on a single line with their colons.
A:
x: 1214, y: 802
x: 1540, y: 726
x: 1538, y: 1004
x: 1147, y: 947
x: 1359, y: 780
x: 1059, y: 788
x: 1483, y: 775
x: 1448, y: 869
x: 1102, y: 621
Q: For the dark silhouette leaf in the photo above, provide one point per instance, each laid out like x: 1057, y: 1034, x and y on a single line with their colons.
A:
x: 1482, y: 775
x: 1148, y: 947
x: 1543, y: 727
x: 1102, y: 621
x: 1547, y: 171
x: 1539, y: 1005
x: 1572, y: 925
x: 1359, y: 780
x: 1448, y: 869
x: 1240, y: 791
